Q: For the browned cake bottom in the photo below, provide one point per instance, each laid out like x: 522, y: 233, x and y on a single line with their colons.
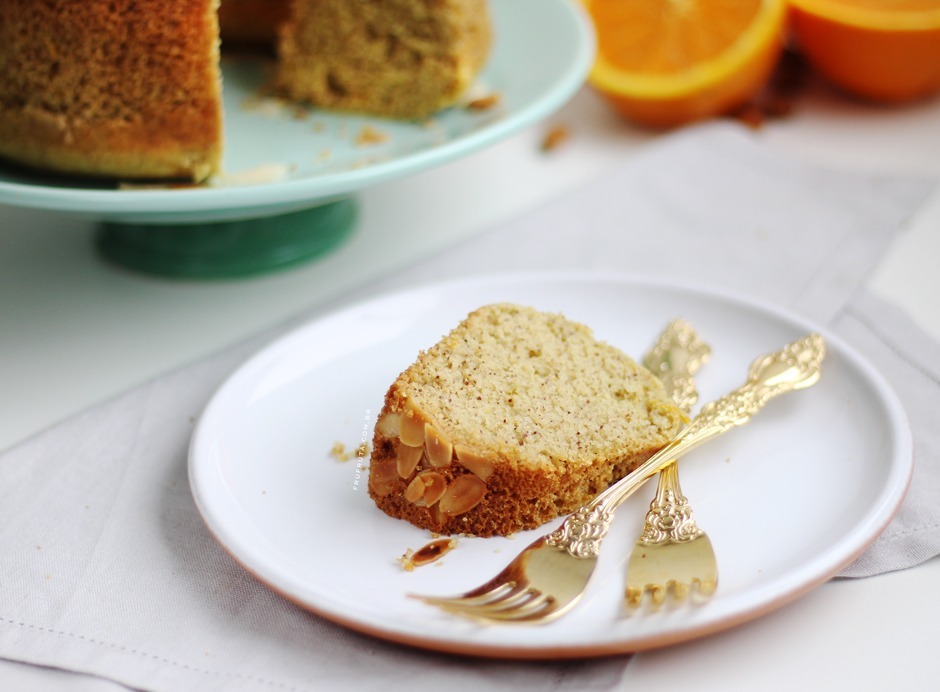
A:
x: 516, y: 500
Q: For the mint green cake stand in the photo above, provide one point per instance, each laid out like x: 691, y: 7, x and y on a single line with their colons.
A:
x: 227, y: 249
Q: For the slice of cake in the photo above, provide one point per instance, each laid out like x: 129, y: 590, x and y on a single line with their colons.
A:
x: 398, y: 58
x: 514, y: 418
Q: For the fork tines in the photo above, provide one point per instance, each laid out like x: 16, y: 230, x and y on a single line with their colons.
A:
x: 507, y: 602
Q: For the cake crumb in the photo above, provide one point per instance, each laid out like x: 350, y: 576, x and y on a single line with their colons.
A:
x: 338, y: 451
x: 369, y: 136
x: 407, y: 563
x: 484, y: 103
x: 264, y: 173
x: 267, y: 106
x: 554, y: 138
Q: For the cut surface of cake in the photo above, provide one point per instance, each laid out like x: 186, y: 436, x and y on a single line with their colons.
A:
x: 397, y: 58
x: 131, y: 89
x: 514, y: 418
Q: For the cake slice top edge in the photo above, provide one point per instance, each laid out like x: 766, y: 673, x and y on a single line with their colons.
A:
x: 533, y: 388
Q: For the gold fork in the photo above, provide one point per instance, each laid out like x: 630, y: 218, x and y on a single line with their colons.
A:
x: 673, y: 556
x: 549, y: 576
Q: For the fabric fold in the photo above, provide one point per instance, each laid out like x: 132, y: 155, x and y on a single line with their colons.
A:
x: 909, y: 360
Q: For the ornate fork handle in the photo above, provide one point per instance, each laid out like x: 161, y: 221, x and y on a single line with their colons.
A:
x: 675, y: 358
x: 796, y: 366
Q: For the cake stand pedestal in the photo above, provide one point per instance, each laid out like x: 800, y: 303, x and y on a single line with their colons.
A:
x: 227, y: 249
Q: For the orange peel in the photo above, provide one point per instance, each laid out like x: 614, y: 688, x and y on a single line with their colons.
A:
x: 880, y: 51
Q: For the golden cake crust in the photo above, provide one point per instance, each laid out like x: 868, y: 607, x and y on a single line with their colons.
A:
x: 119, y: 88
x: 514, y: 418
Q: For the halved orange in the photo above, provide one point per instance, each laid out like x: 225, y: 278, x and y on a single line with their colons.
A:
x: 669, y: 62
x: 883, y: 50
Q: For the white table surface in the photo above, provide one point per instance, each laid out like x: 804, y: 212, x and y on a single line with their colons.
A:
x: 75, y: 331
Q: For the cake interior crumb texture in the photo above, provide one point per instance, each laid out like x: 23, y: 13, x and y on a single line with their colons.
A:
x: 398, y: 58
x: 539, y: 388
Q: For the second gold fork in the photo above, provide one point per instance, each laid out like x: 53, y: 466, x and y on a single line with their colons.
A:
x: 673, y: 556
x: 550, y: 576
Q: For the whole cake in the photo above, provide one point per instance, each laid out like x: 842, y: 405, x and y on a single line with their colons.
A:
x: 132, y: 88
x: 514, y: 418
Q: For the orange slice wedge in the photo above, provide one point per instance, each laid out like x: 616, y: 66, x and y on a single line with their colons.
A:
x: 882, y: 50
x: 665, y: 63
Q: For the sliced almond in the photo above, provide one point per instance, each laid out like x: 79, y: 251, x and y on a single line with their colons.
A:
x: 440, y: 450
x: 473, y: 461
x: 432, y: 551
x: 389, y: 425
x: 411, y: 428
x: 436, y: 515
x: 408, y: 458
x: 462, y: 495
x: 427, y: 488
x: 383, y: 476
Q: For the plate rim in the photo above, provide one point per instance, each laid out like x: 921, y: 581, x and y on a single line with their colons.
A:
x: 878, y: 517
x: 253, y: 200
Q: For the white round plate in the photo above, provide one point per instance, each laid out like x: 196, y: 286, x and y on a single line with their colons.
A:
x: 533, y: 68
x: 787, y: 500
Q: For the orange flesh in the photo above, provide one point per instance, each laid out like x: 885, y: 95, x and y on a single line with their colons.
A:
x: 668, y: 36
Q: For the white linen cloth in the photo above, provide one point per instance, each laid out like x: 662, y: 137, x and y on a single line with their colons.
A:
x: 106, y: 568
